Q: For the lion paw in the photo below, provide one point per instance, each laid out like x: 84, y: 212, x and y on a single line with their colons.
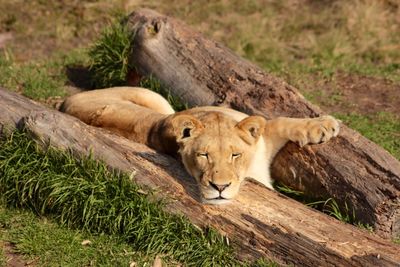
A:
x: 316, y: 130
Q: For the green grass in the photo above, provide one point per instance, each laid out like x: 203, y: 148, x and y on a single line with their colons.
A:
x: 381, y: 128
x: 284, y: 189
x: 46, y: 243
x: 325, y: 67
x: 110, y: 56
x: 38, y: 80
x: 331, y: 207
x: 83, y: 194
x: 31, y: 78
x: 49, y: 244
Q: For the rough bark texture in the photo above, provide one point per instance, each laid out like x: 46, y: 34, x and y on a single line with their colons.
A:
x: 350, y: 168
x: 260, y: 223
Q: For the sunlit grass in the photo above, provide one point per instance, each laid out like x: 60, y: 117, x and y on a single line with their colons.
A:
x: 382, y: 128
x: 39, y: 79
x: 46, y: 243
x: 31, y: 79
x: 109, y: 56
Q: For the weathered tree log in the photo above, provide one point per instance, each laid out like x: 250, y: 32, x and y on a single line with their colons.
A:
x: 260, y: 222
x: 350, y: 168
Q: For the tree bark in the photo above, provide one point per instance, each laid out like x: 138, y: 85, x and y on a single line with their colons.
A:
x: 350, y: 168
x: 259, y: 223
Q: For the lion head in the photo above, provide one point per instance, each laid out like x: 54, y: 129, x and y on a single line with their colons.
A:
x: 217, y: 151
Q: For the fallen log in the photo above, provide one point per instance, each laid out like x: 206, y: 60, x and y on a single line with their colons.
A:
x: 259, y: 223
x: 350, y: 168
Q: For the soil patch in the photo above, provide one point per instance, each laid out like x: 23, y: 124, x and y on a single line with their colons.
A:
x: 14, y: 259
x: 351, y: 93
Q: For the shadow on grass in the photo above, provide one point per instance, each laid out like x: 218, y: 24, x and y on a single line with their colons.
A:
x: 80, y: 76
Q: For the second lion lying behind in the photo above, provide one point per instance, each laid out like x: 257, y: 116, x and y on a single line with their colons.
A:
x: 219, y: 147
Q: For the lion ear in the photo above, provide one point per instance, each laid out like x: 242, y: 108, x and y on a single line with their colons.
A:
x: 251, y: 128
x: 186, y: 127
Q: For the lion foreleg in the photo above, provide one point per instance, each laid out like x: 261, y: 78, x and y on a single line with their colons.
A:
x: 301, y: 131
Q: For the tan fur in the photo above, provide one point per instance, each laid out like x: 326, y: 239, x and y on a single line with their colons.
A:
x: 219, y: 147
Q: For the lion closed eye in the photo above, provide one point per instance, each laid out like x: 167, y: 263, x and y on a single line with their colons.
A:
x: 217, y: 151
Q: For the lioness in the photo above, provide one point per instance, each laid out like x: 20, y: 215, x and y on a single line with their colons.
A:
x: 219, y: 146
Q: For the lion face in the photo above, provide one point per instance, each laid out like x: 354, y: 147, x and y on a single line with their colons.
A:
x: 217, y: 151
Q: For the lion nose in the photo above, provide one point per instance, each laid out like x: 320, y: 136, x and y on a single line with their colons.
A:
x: 219, y: 187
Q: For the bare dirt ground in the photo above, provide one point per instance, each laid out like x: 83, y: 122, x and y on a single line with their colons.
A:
x: 352, y: 93
x: 13, y: 259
